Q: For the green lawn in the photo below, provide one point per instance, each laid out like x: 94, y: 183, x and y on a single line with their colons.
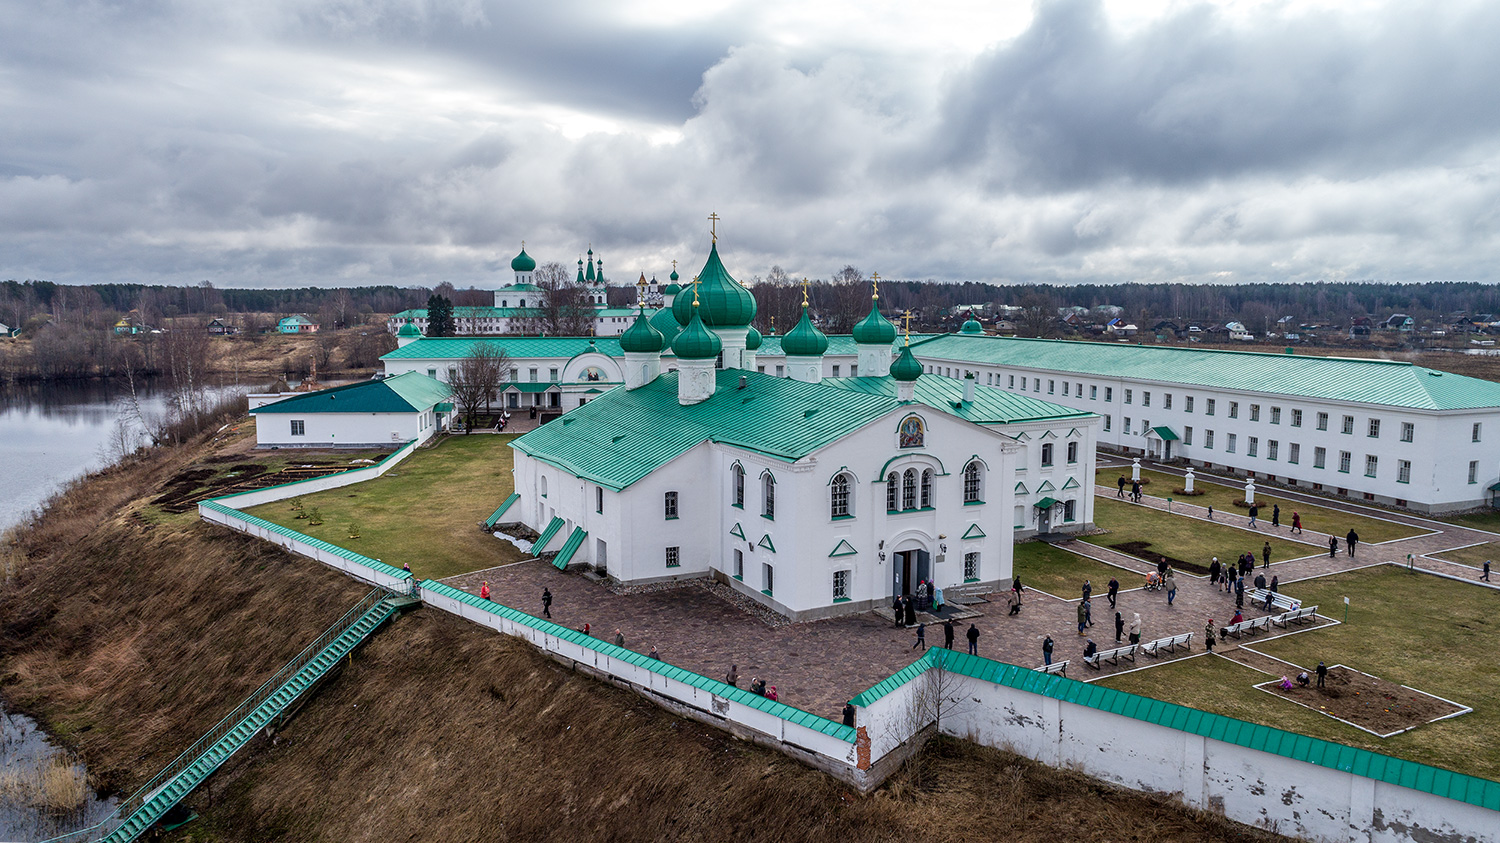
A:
x: 425, y: 512
x: 1475, y: 555
x: 1060, y: 573
x: 1189, y: 539
x: 1222, y: 498
x: 1430, y: 633
x: 1478, y: 520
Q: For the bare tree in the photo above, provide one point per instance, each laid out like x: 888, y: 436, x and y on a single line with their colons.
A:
x: 564, y: 309
x: 478, y: 378
x: 777, y: 277
x: 937, y: 693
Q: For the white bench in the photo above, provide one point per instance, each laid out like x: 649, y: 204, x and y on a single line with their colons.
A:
x: 1112, y: 656
x: 1298, y: 616
x: 1279, y: 600
x: 1055, y: 668
x: 1154, y: 648
x: 1250, y: 626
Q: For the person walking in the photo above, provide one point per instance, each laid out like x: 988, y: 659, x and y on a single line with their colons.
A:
x: 1114, y: 591
x: 1120, y: 485
x: 1047, y: 651
x: 1351, y: 540
x: 848, y: 714
x: 1254, y: 511
x: 1276, y: 515
x: 1239, y: 593
x: 1296, y: 523
x: 1083, y: 618
x: 1119, y: 627
x: 911, y: 611
x: 653, y: 655
x: 1135, y: 491
x: 1088, y: 612
x: 921, y: 637
x: 1265, y: 555
x: 1276, y: 584
x: 484, y: 590
x: 1333, y: 546
x: 1486, y: 575
x: 1213, y: 572
x: 948, y: 634
x: 1088, y: 588
x: 1322, y: 673
x: 1135, y: 628
x: 546, y: 603
x: 619, y: 638
x: 973, y: 635
x: 1210, y: 512
x: 1013, y: 600
x: 732, y: 678
x: 1171, y: 584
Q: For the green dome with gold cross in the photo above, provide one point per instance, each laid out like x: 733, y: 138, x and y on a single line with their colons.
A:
x: 723, y: 301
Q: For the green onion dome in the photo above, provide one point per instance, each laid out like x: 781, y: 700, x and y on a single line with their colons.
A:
x: 523, y: 262
x: 580, y: 271
x: 906, y: 367
x: 667, y: 325
x: 671, y: 289
x: 874, y: 329
x: 805, y: 340
x: 673, y: 276
x: 971, y: 327
x: 409, y: 330
x: 752, y: 339
x: 724, y: 303
x: 696, y: 342
x: 641, y: 337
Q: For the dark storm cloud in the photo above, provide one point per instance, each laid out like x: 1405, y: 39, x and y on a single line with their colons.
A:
x: 1190, y: 96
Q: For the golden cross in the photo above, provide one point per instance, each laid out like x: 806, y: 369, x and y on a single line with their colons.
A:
x: 907, y: 317
x: 695, y: 291
x: 674, y: 266
x: 875, y: 285
x: 805, y: 282
x: 713, y: 227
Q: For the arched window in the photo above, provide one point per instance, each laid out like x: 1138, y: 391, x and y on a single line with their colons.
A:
x: 892, y: 502
x: 839, y: 496
x: 926, y: 488
x: 738, y: 485
x: 909, y: 489
x: 544, y: 485
x: 768, y: 487
x: 971, y: 482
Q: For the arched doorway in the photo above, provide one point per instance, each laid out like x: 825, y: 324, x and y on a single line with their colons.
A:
x: 910, y: 564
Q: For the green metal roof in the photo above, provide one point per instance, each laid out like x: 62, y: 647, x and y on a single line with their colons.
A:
x: 547, y: 535
x: 474, y: 312
x: 625, y: 435
x: 523, y: 287
x: 457, y: 348
x: 570, y: 547
x: 1165, y: 433
x: 804, y: 339
x: 523, y: 386
x: 405, y: 393
x: 489, y: 523
x: 990, y: 406
x: 1364, y: 381
x: 1046, y: 503
x: 724, y: 302
x: 838, y: 345
x: 1360, y: 762
x: 657, y: 666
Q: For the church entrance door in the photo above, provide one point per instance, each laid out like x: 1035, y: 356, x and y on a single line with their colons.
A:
x: 1044, y: 520
x: 911, y: 567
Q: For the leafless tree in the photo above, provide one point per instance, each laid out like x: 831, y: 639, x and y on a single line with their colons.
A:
x: 778, y: 277
x: 564, y: 309
x: 478, y: 378
x: 937, y: 693
x: 326, y: 343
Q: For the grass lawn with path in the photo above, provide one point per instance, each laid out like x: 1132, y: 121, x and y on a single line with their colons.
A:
x: 425, y: 512
x: 1061, y: 573
x: 1222, y: 498
x: 1475, y: 555
x: 1430, y: 633
x: 1477, y: 520
x: 1192, y: 540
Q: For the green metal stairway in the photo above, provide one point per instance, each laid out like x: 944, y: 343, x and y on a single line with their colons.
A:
x: 146, y: 806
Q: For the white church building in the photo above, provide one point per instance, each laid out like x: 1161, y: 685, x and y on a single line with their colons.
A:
x: 813, y: 496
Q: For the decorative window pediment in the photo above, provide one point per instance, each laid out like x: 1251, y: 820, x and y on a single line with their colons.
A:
x: 843, y: 548
x: 1070, y: 484
x: 737, y: 530
x: 765, y: 542
x: 973, y: 532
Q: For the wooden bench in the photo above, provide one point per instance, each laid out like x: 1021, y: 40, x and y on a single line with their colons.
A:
x: 1112, y: 656
x: 1055, y: 668
x: 1297, y: 616
x: 1154, y: 648
x: 1250, y: 626
x: 1279, y: 600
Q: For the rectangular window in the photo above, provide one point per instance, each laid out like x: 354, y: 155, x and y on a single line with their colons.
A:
x: 1208, y: 439
x: 1126, y: 428
x: 1106, y: 423
x: 1078, y: 389
x: 1012, y: 381
x: 432, y: 373
x: 1345, y: 458
x: 1275, y: 415
x: 971, y: 566
x: 598, y: 498
x: 1348, y: 424
x: 840, y: 586
x: 1370, y: 463
x: 1408, y: 430
x: 767, y: 578
x: 1187, y: 436
x: 1229, y: 447
x: 673, y: 559
x: 1093, y: 393
x: 854, y: 370
x: 1296, y: 418
x: 1145, y: 399
x: 1254, y: 412
x: 1234, y: 409
x: 671, y: 505
x: 299, y: 427
x: 1070, y: 510
x: 1272, y: 446
x: 1474, y: 437
x: 739, y: 565
x: 1145, y: 426
x: 1374, y: 428
x: 1036, y: 384
x: 1109, y: 395
x: 1294, y: 453
x: 1473, y: 471
x: 1187, y: 403
x: 1253, y: 448
x: 1129, y: 396
x: 1072, y: 452
x: 1047, y: 454
x: 1051, y: 387
x: 1320, y: 457
x: 533, y: 375
x: 1403, y: 471
x: 1208, y: 407
x: 780, y: 371
x: 835, y: 370
x: 1322, y: 421
x: 552, y: 374
x: 1065, y: 387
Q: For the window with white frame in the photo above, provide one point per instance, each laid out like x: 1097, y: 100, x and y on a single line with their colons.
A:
x: 1109, y: 394
x: 1229, y: 443
x: 1374, y: 429
x: 1012, y: 381
x: 1348, y: 425
x: 737, y: 486
x: 1187, y: 436
x: 1208, y: 406
x: 1047, y: 453
x: 1187, y: 403
x: 840, y: 586
x: 971, y: 483
x: 1129, y: 396
x: 1254, y: 447
x: 1166, y: 401
x: 1051, y: 386
x: 1234, y: 409
x: 1275, y: 415
x: 739, y: 564
x: 767, y: 578
x: 1065, y: 387
x: 1072, y: 452
x: 838, y: 504
x: 835, y: 370
x: 1293, y: 453
x: 1078, y: 389
x: 1408, y: 431
x: 892, y: 502
x: 971, y: 566
x: 1272, y: 446
x: 1473, y: 471
x: 909, y: 489
x: 1255, y: 412
x: 1145, y: 398
x: 926, y: 488
x: 1403, y: 471
x: 1093, y: 393
x: 1474, y: 436
x: 1070, y: 510
x: 598, y: 498
x: 1371, y: 461
x: 299, y: 427
x: 1106, y: 423
x: 1345, y: 459
x: 1296, y: 418
x: 1322, y: 421
x: 1320, y: 457
x: 1126, y: 428
x: 674, y: 557
x: 670, y: 505
x: 768, y: 494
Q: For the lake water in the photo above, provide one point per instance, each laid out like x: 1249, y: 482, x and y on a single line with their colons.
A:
x: 54, y: 433
x: 35, y: 778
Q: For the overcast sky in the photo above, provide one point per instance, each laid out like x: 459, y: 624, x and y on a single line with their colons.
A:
x: 295, y: 142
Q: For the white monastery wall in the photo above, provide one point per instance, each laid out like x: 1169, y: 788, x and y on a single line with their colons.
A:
x: 343, y: 430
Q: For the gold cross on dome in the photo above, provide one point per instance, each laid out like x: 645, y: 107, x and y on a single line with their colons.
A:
x: 805, y: 282
x: 713, y: 225
x: 695, y: 291
x: 874, y: 285
x: 907, y: 318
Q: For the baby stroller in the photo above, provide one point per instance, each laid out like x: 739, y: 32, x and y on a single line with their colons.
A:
x: 1153, y: 581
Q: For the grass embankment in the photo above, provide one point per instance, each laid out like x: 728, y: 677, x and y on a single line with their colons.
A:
x: 1060, y: 573
x: 1475, y: 555
x: 1222, y: 498
x: 129, y: 640
x: 1432, y: 634
x: 1478, y: 520
x: 425, y: 512
x: 1191, y: 540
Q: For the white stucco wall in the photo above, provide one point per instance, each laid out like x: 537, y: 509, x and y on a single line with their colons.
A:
x: 334, y: 430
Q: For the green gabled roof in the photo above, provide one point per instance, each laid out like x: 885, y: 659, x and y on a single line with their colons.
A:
x: 843, y: 548
x: 526, y: 386
x: 1409, y: 774
x: 614, y: 311
x: 838, y: 345
x: 1362, y: 381
x: 1071, y: 483
x: 405, y: 393
x: 548, y: 534
x: 713, y: 686
x: 1165, y: 433
x: 765, y: 542
x: 570, y: 547
x: 457, y: 348
x: 990, y: 406
x: 520, y: 288
x: 625, y: 435
x: 474, y: 312
x: 1045, y: 503
x: 489, y: 523
x: 973, y: 532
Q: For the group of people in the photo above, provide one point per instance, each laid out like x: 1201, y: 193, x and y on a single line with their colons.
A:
x: 1351, y: 541
x: 758, y: 686
x: 1135, y: 489
x: 949, y: 631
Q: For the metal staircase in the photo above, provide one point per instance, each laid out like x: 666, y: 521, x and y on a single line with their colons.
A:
x: 142, y: 809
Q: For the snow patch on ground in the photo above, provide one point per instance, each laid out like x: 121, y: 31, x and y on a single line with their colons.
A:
x: 522, y: 544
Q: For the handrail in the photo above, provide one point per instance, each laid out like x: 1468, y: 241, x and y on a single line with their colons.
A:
x: 189, y: 756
